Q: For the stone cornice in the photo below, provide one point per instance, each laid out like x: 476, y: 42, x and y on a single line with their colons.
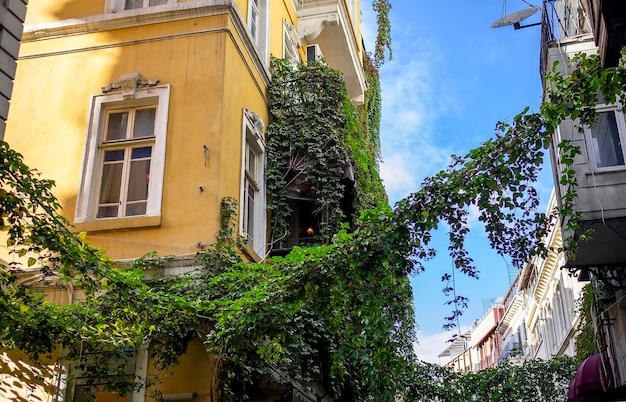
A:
x: 126, y: 19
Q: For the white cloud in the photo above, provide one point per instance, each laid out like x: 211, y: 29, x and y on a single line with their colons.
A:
x: 410, y: 111
x: 472, y: 218
x: 407, y: 92
x: 429, y: 346
x: 414, y: 102
x: 397, y: 175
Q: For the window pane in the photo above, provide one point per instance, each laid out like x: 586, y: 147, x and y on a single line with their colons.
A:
x: 254, y: 19
x: 250, y: 162
x: 143, y: 152
x: 116, y: 127
x: 112, y: 156
x: 110, y: 185
x: 606, y: 142
x: 254, y: 29
x: 108, y: 212
x: 144, y: 123
x: 157, y: 2
x: 290, y: 49
x: 130, y: 4
x: 136, y: 208
x: 138, y: 180
x: 250, y: 212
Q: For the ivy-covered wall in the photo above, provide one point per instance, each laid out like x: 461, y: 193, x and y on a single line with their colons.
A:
x: 319, y: 143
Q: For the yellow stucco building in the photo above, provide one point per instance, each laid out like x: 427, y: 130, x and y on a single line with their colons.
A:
x: 147, y: 114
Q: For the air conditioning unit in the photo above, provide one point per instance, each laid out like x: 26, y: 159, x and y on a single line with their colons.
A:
x: 313, y: 53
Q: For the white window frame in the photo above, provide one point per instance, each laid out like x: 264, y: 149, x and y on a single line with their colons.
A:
x: 290, y: 43
x: 253, y: 141
x: 115, y: 6
x: 254, y: 18
x: 559, y: 311
x: 87, y: 203
x: 551, y: 327
x: 136, y: 365
x: 260, y: 36
x: 621, y: 129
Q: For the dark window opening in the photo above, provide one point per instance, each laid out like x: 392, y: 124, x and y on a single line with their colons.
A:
x: 347, y: 201
x: 306, y: 224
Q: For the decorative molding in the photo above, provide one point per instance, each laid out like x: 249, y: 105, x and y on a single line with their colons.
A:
x: 128, y: 84
x: 256, y: 121
x: 312, y: 27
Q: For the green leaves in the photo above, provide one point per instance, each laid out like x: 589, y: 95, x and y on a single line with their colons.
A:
x: 534, y: 380
x: 345, y: 307
x: 496, y: 178
x: 305, y: 141
x: 383, y: 36
x: 37, y: 237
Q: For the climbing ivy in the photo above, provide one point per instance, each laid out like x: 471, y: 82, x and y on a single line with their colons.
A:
x: 363, y: 141
x: 594, y: 301
x: 305, y: 141
x: 315, y: 133
x: 383, y: 34
x: 319, y: 306
x: 585, y: 342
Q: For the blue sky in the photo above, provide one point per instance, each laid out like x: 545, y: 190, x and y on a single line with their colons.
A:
x: 451, y: 79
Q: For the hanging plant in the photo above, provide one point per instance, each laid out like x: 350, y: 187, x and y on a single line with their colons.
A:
x: 383, y: 35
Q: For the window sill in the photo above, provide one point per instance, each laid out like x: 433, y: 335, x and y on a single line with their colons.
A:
x: 250, y: 253
x: 121, y: 223
x: 609, y: 169
x: 604, y: 177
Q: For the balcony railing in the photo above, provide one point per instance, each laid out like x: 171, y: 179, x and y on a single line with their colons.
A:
x: 511, y: 348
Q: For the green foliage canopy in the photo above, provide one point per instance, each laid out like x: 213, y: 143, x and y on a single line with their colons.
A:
x: 532, y: 381
x: 346, y: 305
